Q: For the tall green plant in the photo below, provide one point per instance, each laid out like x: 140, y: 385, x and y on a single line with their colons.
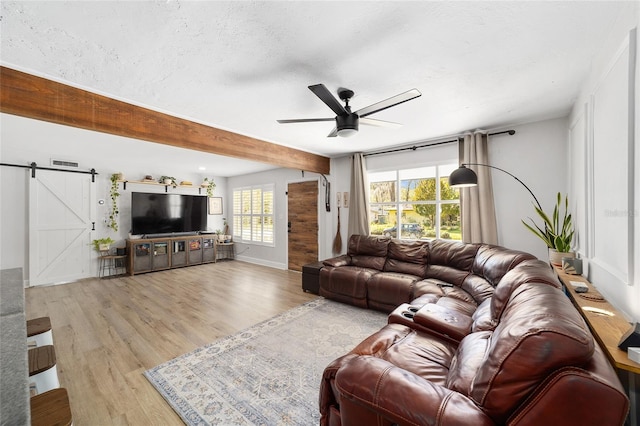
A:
x: 114, y: 193
x: 558, y: 230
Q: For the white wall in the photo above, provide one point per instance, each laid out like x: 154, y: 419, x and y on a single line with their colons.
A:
x: 536, y: 154
x: 277, y: 256
x: 604, y: 178
x: 340, y: 182
x: 24, y: 141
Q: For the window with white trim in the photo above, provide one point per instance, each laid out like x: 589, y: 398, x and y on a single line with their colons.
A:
x: 253, y: 214
x: 416, y: 201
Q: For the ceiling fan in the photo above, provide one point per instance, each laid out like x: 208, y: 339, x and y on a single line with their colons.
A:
x: 347, y: 121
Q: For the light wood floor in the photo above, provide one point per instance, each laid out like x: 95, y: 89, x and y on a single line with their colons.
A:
x: 107, y: 332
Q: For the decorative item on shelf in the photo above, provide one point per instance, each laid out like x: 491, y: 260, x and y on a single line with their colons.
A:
x: 572, y: 265
x: 148, y: 178
x: 119, y: 176
x: 102, y: 244
x: 558, y: 231
x: 210, y: 185
x: 114, y: 194
x: 168, y: 180
x: 186, y: 183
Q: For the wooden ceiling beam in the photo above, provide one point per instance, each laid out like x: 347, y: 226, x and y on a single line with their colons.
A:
x: 38, y: 98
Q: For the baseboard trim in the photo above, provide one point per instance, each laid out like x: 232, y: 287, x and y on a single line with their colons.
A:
x: 256, y: 261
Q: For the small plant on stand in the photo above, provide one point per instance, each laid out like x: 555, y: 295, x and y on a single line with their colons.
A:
x: 114, y: 193
x: 557, y: 230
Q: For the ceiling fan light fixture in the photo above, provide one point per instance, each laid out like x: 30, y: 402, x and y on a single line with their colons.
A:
x: 346, y: 121
x: 347, y: 125
x: 345, y: 133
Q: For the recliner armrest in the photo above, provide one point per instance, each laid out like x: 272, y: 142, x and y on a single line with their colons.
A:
x: 444, y: 321
x: 372, y: 389
x: 343, y: 260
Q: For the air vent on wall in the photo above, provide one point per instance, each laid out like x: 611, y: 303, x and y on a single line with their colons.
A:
x: 64, y: 163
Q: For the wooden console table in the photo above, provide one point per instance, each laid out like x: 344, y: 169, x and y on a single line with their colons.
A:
x: 607, y: 325
x: 155, y: 254
x: 607, y: 329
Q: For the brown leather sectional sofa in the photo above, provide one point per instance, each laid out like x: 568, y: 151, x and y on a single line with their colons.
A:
x: 477, y: 335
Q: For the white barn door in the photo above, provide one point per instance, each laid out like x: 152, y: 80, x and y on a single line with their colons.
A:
x: 61, y: 211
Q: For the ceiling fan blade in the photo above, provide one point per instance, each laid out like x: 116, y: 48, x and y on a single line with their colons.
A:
x: 325, y: 96
x: 333, y: 133
x: 388, y: 103
x: 379, y: 123
x: 304, y: 120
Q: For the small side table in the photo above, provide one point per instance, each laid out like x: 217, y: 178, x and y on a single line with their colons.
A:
x: 109, y: 264
x: 225, y: 251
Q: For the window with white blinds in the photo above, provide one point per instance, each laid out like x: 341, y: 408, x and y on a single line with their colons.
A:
x: 253, y: 214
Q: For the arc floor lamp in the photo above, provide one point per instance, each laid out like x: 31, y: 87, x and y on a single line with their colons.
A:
x: 464, y: 177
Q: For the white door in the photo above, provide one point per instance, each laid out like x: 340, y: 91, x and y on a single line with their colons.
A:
x: 61, y: 209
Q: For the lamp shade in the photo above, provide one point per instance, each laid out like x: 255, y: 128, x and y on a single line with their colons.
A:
x: 463, y: 177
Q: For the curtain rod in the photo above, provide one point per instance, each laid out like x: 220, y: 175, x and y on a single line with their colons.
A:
x: 413, y: 148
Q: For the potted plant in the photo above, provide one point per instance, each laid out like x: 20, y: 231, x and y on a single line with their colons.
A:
x: 102, y: 244
x: 168, y: 180
x: 210, y: 185
x: 558, y: 230
x: 114, y: 194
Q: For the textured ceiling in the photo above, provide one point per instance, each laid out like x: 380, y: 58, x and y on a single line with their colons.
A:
x: 241, y: 65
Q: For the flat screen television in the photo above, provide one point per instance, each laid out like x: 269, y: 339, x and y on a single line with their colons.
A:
x: 156, y: 213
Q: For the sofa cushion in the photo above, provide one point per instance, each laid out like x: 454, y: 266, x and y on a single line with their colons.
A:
x: 492, y: 262
x: 450, y: 261
x: 347, y: 284
x: 529, y: 271
x: 423, y: 354
x: 368, y: 251
x: 482, y: 317
x: 387, y: 290
x: 432, y: 290
x: 478, y: 287
x: 407, y: 257
x: 467, y: 360
x: 464, y: 306
x: 540, y: 332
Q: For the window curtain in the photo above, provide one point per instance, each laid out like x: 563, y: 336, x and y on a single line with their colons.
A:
x: 477, y: 205
x: 358, y: 205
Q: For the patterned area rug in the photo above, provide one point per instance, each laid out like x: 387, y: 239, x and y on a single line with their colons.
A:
x: 268, y: 374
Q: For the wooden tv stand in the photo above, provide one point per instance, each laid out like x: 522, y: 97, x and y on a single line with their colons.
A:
x: 159, y: 253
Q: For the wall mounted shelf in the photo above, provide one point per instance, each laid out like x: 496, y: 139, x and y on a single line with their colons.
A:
x: 152, y: 182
